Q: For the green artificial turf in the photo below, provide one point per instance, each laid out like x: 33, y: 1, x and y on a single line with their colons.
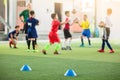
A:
x: 86, y: 62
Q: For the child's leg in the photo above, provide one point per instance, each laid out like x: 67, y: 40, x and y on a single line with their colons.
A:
x: 26, y: 37
x: 108, y: 44
x: 29, y: 41
x: 10, y: 43
x: 82, y: 41
x: 66, y: 32
x: 35, y: 41
x: 69, y: 44
x: 47, y: 46
x: 69, y: 41
x: 57, y: 47
x: 64, y: 44
x: 36, y: 45
x: 33, y: 44
x: 89, y: 42
x: 14, y: 44
x: 103, y: 44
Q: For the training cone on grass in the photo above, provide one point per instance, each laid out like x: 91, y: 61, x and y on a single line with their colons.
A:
x: 70, y: 72
x: 25, y: 68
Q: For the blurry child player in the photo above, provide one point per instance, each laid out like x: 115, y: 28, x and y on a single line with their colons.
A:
x: 32, y: 33
x: 24, y: 15
x: 106, y: 31
x: 13, y: 37
x: 86, y: 31
x: 68, y: 37
x: 53, y: 36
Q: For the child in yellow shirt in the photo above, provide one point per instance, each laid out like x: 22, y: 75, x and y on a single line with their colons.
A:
x: 86, y: 31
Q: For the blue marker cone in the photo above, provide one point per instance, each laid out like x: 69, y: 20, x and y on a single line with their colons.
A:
x: 25, y: 68
x: 70, y: 72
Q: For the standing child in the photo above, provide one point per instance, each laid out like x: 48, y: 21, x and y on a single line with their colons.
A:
x: 32, y: 33
x: 67, y: 34
x: 53, y: 36
x: 86, y: 31
x: 13, y: 37
x: 106, y: 31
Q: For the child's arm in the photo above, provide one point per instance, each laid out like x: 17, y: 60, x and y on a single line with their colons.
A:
x: 62, y: 23
x: 80, y: 24
x: 37, y: 22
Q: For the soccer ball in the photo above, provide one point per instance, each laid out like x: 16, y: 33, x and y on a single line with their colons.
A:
x: 101, y: 24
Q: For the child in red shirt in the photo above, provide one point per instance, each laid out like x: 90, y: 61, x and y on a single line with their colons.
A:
x: 53, y: 36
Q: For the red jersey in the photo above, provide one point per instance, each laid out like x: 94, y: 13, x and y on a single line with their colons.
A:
x: 55, y: 25
x: 67, y: 25
x: 53, y: 36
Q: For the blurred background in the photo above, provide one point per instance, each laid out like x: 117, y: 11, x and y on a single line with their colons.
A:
x: 95, y: 9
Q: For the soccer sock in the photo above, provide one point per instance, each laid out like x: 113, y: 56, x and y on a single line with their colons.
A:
x: 35, y: 41
x: 69, y: 42
x: 57, y: 47
x: 64, y: 44
x: 29, y: 41
x: 89, y: 41
x: 47, y: 47
x: 33, y: 44
x: 26, y: 37
x: 82, y: 41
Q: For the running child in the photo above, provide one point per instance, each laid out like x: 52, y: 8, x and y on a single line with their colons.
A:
x: 13, y: 37
x: 67, y: 35
x: 32, y: 33
x: 86, y: 31
x: 53, y: 36
x: 106, y: 31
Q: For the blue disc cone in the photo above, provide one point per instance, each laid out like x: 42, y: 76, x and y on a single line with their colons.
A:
x: 70, y: 72
x: 25, y: 68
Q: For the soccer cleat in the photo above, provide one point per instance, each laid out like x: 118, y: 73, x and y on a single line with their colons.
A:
x: 82, y: 45
x: 69, y: 48
x: 90, y: 46
x: 15, y: 47
x: 111, y: 51
x: 10, y: 45
x: 28, y: 50
x: 101, y: 51
x: 44, y: 52
x: 63, y: 48
x: 56, y: 53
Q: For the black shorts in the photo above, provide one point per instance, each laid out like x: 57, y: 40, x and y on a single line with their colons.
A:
x: 67, y: 34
